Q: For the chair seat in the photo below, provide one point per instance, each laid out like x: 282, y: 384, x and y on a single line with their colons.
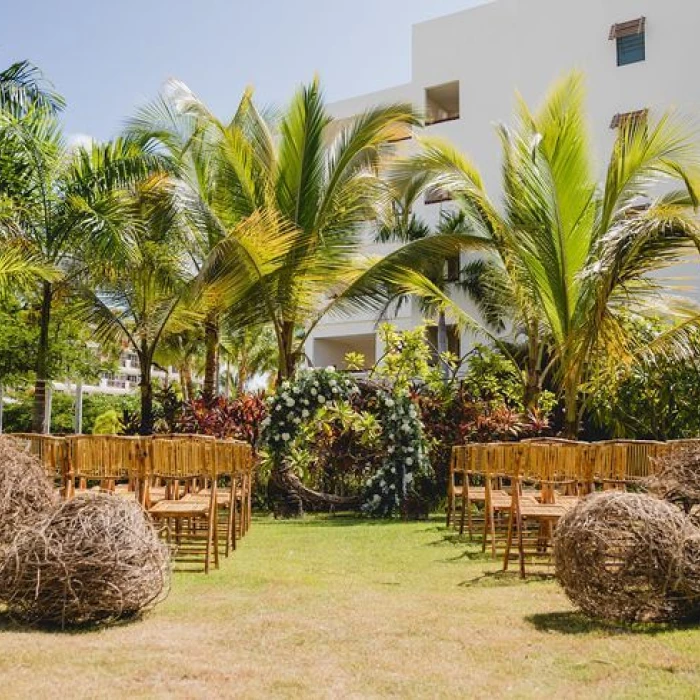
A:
x: 223, y: 498
x: 183, y: 508
x: 542, y: 510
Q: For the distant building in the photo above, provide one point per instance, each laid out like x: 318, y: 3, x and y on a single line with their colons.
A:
x: 639, y: 58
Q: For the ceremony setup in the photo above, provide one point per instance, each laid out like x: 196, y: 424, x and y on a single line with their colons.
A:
x: 350, y: 353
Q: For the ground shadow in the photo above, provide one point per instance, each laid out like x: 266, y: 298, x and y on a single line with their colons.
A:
x: 573, y: 622
x: 502, y: 578
x: 340, y: 520
x: 9, y: 624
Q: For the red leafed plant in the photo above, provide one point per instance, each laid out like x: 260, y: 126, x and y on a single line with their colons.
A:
x: 238, y: 418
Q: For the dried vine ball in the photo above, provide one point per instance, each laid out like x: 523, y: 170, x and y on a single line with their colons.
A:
x: 26, y: 494
x: 94, y: 559
x: 629, y: 557
x: 677, y: 478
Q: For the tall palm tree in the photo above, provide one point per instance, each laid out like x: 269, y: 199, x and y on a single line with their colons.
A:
x: 63, y: 208
x: 404, y: 226
x: 572, y: 253
x: 323, y: 178
x: 139, y: 296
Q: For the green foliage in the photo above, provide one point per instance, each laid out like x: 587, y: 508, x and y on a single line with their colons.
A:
x: 492, y: 377
x: 407, y: 358
x: 107, y: 423
x: 655, y: 398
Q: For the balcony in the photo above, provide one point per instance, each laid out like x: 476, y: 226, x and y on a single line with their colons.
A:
x: 442, y: 103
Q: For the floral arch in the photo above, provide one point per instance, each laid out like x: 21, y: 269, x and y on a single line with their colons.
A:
x: 402, y: 446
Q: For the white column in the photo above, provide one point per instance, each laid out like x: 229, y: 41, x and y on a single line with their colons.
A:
x: 78, y: 426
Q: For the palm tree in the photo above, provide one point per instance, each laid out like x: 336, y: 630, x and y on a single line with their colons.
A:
x: 139, y: 297
x: 250, y: 352
x: 404, y: 226
x: 322, y: 177
x: 62, y: 208
x: 571, y: 254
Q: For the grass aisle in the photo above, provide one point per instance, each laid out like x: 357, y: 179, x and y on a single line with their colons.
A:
x: 339, y: 607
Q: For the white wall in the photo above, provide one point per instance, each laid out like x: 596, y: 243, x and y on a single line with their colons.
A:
x: 506, y: 46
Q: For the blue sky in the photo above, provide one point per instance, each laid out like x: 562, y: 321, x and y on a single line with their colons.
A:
x: 109, y: 56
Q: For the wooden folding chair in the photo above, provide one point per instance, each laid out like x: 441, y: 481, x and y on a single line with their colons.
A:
x: 100, y: 462
x: 182, y: 466
x: 230, y: 464
x: 558, y: 470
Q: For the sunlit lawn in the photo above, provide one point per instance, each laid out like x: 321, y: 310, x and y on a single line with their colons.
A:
x: 339, y: 607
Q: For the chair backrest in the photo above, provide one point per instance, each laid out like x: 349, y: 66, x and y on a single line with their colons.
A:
x: 102, y: 457
x: 182, y: 459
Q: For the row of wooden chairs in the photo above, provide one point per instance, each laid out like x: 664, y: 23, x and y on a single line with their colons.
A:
x: 197, y: 488
x: 518, y: 491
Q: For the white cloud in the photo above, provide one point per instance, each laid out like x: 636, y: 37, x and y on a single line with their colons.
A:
x: 78, y: 140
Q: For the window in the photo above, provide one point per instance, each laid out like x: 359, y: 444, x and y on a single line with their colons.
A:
x: 636, y: 119
x: 453, y: 342
x: 435, y: 195
x: 453, y: 267
x: 631, y: 41
x: 442, y: 103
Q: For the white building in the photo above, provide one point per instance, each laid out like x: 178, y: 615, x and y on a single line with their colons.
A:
x: 467, y: 68
x: 125, y: 379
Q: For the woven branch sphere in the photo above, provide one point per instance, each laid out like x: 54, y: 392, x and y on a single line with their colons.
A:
x: 622, y: 556
x: 677, y: 478
x: 94, y: 559
x: 26, y: 494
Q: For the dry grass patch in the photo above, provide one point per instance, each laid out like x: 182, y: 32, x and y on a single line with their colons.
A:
x: 331, y: 607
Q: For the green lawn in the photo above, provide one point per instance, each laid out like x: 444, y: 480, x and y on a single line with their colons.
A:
x: 339, y: 607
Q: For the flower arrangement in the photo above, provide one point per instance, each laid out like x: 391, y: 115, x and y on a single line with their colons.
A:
x: 399, y: 432
x: 404, y: 453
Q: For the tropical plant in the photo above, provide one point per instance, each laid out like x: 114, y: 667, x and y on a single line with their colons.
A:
x: 62, y: 209
x: 571, y: 255
x: 140, y: 296
x: 314, y: 182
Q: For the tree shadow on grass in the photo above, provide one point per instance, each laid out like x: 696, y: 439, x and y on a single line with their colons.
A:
x: 11, y: 625
x: 574, y: 622
x: 340, y: 520
x: 502, y: 579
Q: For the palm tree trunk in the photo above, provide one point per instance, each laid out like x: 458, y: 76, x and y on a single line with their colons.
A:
x: 211, y: 341
x: 442, y: 344
x: 532, y: 380
x: 287, y: 359
x: 186, y: 381
x: 42, y: 355
x: 146, y: 387
x: 571, y: 419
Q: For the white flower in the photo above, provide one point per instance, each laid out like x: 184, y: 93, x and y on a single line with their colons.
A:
x: 334, y: 389
x: 278, y: 407
x: 376, y: 499
x: 382, y: 483
x: 330, y: 368
x: 392, y: 487
x: 390, y: 449
x: 368, y: 482
x: 389, y: 402
x: 305, y: 413
x: 409, y: 449
x: 333, y: 382
x: 313, y: 392
x: 297, y: 420
x: 409, y: 478
x: 409, y: 461
x: 266, y: 422
x: 321, y: 398
x: 305, y: 402
x: 406, y: 428
x: 290, y: 402
x: 393, y: 470
x: 286, y: 437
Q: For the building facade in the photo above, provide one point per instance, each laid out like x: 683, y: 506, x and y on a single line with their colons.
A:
x: 637, y: 57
